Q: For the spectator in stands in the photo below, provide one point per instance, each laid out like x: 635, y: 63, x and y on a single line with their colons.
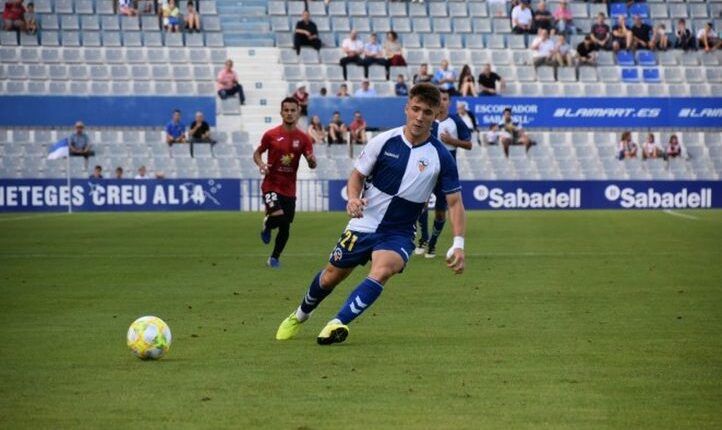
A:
x: 542, y: 17
x: 511, y: 133
x: 423, y: 75
x: 660, y: 40
x: 626, y: 148
x: 674, y: 148
x: 491, y: 137
x: 651, y: 149
x: 462, y: 111
x: 323, y: 92
x: 175, y: 131
x: 97, y: 173
x: 343, y: 91
x: 142, y: 173
x: 316, y: 131
x: 467, y: 84
x: 708, y: 38
x: 357, y: 129
x: 306, y: 34
x: 562, y: 52
x: 393, y: 50
x: 445, y: 78
x: 563, y: 19
x: 13, y: 15
x: 171, y: 17
x: 374, y: 54
x: 684, y: 38
x: 227, y: 83
x: 400, y: 88
x: 118, y: 172
x: 352, y: 49
x: 365, y: 90
x: 488, y: 80
x: 79, y: 143
x: 641, y: 34
x: 301, y: 95
x: 586, y: 52
x: 336, y: 129
x: 521, y: 18
x: 31, y: 21
x: 192, y: 18
x: 601, y: 34
x: 543, y: 49
x: 127, y: 8
x: 200, y: 131
x: 621, y: 36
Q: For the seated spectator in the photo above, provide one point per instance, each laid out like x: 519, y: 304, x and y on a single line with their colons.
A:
x: 491, y: 137
x: 31, y: 22
x: 118, y: 172
x: 365, y: 90
x: 626, y: 148
x: 79, y: 143
x: 343, y: 91
x: 562, y: 52
x: 423, y: 75
x: 542, y: 17
x: 13, y: 15
x: 142, y: 173
x: 127, y: 8
x: 336, y: 129
x: 621, y: 36
x: 586, y: 52
x: 445, y: 78
x: 306, y: 34
x: 97, y: 173
x: 149, y: 6
x: 357, y: 129
x: 683, y: 37
x: 651, y: 149
x: 301, y: 95
x: 393, y: 51
x: 543, y: 48
x: 674, y: 148
x: 511, y: 133
x: 708, y: 39
x: 175, y: 131
x: 521, y: 18
x: 374, y: 54
x: 601, y: 34
x: 563, y: 20
x: 660, y: 40
x: 200, y: 132
x: 171, y: 17
x: 488, y: 80
x: 467, y: 84
x: 463, y: 112
x: 323, y: 92
x: 641, y: 34
x: 192, y: 18
x: 400, y: 88
x: 352, y: 49
x: 227, y: 83
x: 316, y: 131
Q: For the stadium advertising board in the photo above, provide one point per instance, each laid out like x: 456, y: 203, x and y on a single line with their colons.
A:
x: 501, y: 195
x: 88, y: 195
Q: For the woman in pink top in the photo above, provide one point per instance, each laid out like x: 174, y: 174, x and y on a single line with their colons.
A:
x: 227, y: 83
x: 563, y: 20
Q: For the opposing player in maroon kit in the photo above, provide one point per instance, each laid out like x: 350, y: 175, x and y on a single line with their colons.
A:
x: 285, y: 145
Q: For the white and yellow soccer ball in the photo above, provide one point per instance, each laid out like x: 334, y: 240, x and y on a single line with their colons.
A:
x: 149, y: 338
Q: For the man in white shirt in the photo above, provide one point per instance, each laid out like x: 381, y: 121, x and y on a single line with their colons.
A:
x: 543, y: 48
x: 352, y: 48
x: 365, y: 90
x: 522, y: 18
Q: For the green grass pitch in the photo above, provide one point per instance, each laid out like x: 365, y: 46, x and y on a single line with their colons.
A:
x: 563, y: 320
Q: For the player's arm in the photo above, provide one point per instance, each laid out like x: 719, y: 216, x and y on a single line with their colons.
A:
x: 457, y: 214
x: 450, y: 140
x: 354, y: 187
x: 262, y: 166
x: 308, y: 154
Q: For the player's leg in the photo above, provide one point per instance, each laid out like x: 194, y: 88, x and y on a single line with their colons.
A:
x: 439, y: 221
x: 284, y: 228
x: 423, y: 232
x: 274, y: 213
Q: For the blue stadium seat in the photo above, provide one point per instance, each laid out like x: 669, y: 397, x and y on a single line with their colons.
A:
x: 618, y: 9
x: 651, y: 75
x: 625, y: 58
x: 641, y: 9
x: 646, y: 58
x: 630, y: 74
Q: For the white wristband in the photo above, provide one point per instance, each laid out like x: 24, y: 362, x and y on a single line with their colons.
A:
x: 458, y: 242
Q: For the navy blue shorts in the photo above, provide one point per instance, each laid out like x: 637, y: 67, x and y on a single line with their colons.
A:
x: 355, y: 249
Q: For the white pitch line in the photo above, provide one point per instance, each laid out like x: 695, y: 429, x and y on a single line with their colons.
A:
x: 48, y: 215
x: 681, y: 215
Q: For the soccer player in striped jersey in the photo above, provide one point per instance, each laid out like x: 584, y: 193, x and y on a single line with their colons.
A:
x: 451, y: 130
x: 388, y: 188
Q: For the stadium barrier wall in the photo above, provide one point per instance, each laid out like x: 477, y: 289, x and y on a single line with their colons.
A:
x: 544, y: 112
x: 121, y: 111
x: 206, y: 194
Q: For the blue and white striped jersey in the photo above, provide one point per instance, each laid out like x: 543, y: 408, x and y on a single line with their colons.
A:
x: 455, y: 126
x: 399, y: 181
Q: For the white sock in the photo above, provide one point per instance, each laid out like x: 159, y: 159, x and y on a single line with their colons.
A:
x: 335, y: 321
x: 301, y: 316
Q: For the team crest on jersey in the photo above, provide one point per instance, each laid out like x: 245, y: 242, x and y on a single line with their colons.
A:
x: 423, y: 164
x: 337, y: 254
x: 287, y: 159
x: 296, y: 143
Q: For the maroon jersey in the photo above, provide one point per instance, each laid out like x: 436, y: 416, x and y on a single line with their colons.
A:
x: 284, y: 153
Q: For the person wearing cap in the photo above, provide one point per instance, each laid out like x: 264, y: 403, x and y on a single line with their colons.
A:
x: 79, y: 143
x: 708, y: 38
x: 365, y: 90
x: 522, y: 18
x: 301, y: 95
x: 352, y: 49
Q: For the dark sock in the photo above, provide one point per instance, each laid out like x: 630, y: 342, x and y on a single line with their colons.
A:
x: 424, y: 225
x: 314, y: 295
x: 438, y: 226
x: 281, y: 239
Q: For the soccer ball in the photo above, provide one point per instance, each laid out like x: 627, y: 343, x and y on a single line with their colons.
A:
x: 149, y: 338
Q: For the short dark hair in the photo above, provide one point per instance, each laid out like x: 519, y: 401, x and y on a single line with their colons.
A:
x: 176, y: 110
x: 427, y: 93
x: 98, y: 167
x: 336, y: 112
x: 289, y: 100
x: 507, y: 109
